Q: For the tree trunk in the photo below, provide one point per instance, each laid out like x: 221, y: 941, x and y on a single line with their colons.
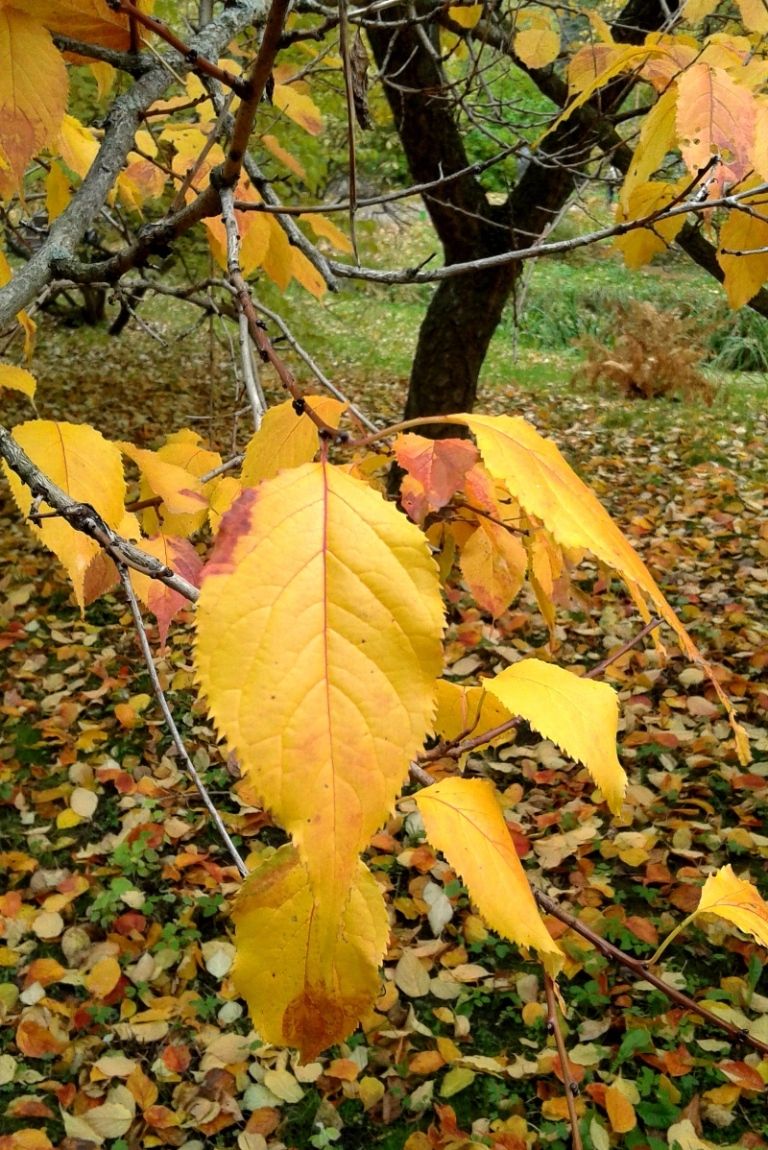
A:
x: 462, y: 316
x: 465, y: 311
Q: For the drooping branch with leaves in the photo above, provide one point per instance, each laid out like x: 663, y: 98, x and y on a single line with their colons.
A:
x: 319, y: 608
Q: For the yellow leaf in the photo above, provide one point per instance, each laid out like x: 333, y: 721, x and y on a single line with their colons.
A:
x: 318, y: 644
x: 538, y: 476
x: 224, y: 494
x: 715, y: 116
x: 58, y: 191
x: 180, y: 490
x: 493, y: 563
x: 299, y: 107
x: 307, y: 983
x: 103, y: 977
x: 278, y: 257
x: 579, y: 715
x: 469, y: 709
x: 77, y: 146
x: 640, y: 246
x: 737, y: 901
x: 744, y: 232
x: 26, y: 323
x: 183, y: 449
x: 326, y: 229
x: 89, y: 469
x: 465, y: 15
x: 463, y: 819
x: 537, y: 37
x: 458, y: 1078
x: 272, y: 144
x: 33, y: 88
x: 754, y: 14
x: 621, y: 1112
x: 17, y: 379
x: 696, y: 10
x: 286, y: 439
x: 657, y: 137
x: 307, y: 274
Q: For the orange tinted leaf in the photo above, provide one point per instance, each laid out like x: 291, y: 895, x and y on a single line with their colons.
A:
x: 299, y: 107
x: 715, y: 116
x: 436, y: 470
x: 89, y: 469
x: 307, y: 982
x: 579, y: 715
x: 89, y: 20
x: 162, y: 601
x: 742, y: 1074
x: 621, y: 1112
x: 463, y: 819
x: 493, y: 563
x: 180, y: 491
x: 284, y: 156
x: 102, y: 979
x: 326, y: 229
x: 737, y: 901
x: 36, y: 1040
x: 33, y: 88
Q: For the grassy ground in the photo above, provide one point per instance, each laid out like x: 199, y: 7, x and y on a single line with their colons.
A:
x: 144, y: 881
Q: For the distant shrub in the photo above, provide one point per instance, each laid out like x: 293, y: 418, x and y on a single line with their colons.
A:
x: 739, y: 341
x: 654, y: 354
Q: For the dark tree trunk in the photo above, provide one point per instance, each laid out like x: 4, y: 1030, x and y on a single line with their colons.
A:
x: 453, y: 341
x: 465, y: 310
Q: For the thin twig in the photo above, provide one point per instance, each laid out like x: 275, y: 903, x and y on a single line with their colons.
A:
x: 571, y: 1089
x: 253, y: 391
x: 197, y: 62
x: 146, y: 651
x: 640, y: 970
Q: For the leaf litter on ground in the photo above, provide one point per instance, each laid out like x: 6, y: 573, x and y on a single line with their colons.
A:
x: 120, y: 1022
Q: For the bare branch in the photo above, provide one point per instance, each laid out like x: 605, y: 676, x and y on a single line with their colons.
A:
x: 154, y: 679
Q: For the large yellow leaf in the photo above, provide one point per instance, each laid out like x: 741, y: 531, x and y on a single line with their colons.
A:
x: 301, y: 991
x: 85, y: 465
x: 715, y: 116
x: 463, y: 819
x: 89, y: 20
x: 33, y: 89
x: 578, y: 714
x: 744, y: 232
x: 318, y: 644
x: 737, y: 901
x: 695, y: 10
x: 286, y: 439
